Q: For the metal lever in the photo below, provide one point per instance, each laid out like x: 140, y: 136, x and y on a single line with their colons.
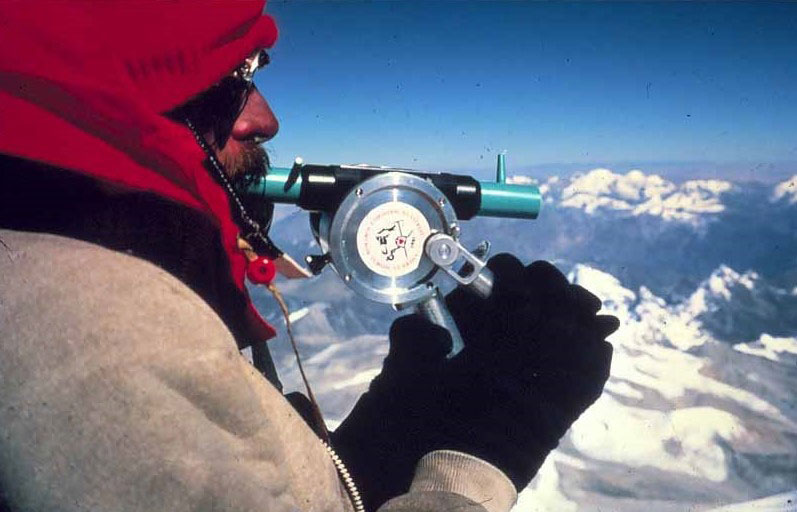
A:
x: 444, y: 251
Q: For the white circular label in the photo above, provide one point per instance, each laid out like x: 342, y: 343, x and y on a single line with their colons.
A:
x: 390, y: 239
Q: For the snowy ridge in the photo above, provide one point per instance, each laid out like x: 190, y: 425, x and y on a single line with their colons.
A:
x: 667, y: 410
x: 657, y: 338
x: 635, y: 194
x: 338, y: 373
x: 719, y: 286
x: 779, y: 350
x: 738, y: 307
x: 786, y: 191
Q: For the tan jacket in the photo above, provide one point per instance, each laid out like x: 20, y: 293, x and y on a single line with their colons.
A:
x: 121, y: 390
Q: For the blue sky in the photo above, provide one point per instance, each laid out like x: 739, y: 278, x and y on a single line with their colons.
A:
x: 710, y: 88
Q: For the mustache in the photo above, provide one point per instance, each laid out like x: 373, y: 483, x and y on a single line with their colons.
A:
x: 251, y: 163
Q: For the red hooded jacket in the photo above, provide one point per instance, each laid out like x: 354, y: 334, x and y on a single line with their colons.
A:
x: 84, y: 85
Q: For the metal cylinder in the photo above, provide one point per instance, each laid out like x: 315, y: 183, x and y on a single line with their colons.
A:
x: 510, y: 200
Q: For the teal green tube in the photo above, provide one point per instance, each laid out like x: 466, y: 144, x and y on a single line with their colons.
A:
x: 276, y: 188
x: 497, y: 199
x: 500, y: 171
x: 510, y: 200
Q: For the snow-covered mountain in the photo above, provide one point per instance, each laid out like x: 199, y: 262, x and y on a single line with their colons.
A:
x: 639, y: 194
x: 649, y: 231
x: 699, y: 410
x: 635, y: 194
x: 686, y: 421
x: 738, y: 307
x: 786, y: 191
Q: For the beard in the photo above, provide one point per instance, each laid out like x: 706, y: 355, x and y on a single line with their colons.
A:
x: 242, y: 169
x: 250, y: 163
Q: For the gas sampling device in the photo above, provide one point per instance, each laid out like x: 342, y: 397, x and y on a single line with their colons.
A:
x: 389, y: 233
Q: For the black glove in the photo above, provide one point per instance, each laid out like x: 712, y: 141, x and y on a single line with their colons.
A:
x: 535, y: 358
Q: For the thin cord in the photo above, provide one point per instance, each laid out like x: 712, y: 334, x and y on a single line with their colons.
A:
x: 343, y: 473
x: 318, y: 416
x: 257, y: 231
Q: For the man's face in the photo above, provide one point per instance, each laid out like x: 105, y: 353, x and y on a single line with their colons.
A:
x: 242, y: 153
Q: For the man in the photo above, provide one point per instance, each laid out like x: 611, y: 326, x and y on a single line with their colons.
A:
x: 123, y: 248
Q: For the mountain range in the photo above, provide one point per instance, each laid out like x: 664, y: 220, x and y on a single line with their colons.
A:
x: 698, y: 412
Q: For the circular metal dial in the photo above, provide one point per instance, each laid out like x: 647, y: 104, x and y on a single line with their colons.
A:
x: 376, y: 238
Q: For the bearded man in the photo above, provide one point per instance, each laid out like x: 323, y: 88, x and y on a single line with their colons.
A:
x: 125, y: 131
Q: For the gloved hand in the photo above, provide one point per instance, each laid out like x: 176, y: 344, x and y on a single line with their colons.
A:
x: 535, y: 358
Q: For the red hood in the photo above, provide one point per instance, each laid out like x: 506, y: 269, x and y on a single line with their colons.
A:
x: 83, y: 85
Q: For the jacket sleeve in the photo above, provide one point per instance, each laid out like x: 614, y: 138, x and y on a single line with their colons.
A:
x: 120, y: 389
x: 449, y: 480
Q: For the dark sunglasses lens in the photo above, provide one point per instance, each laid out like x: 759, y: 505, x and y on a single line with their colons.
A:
x: 263, y: 58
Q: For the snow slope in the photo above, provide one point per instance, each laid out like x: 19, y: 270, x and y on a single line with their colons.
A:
x: 693, y: 424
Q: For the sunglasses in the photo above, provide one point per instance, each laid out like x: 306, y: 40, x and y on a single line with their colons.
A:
x: 215, y: 111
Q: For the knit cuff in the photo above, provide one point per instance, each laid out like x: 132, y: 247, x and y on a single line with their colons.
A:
x: 457, y: 472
